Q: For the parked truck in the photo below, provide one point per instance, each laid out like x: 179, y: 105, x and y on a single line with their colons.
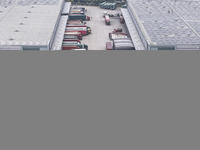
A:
x: 66, y: 37
x: 123, y: 44
x: 70, y: 42
x: 77, y: 12
x: 75, y: 46
x: 107, y: 20
x: 78, y: 17
x: 74, y: 33
x: 82, y: 30
x: 74, y: 22
x: 76, y: 25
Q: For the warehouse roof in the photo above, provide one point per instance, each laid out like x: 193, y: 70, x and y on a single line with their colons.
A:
x: 132, y: 30
x: 57, y: 44
x: 29, y: 22
x: 169, y: 22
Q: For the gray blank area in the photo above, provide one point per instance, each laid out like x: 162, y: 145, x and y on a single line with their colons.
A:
x: 99, y: 101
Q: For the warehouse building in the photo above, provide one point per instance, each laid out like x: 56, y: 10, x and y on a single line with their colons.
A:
x: 32, y: 24
x: 163, y: 24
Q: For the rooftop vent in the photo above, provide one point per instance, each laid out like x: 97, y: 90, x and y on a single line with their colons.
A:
x: 16, y: 30
x: 26, y: 17
x: 11, y: 39
x: 21, y: 24
x: 29, y: 12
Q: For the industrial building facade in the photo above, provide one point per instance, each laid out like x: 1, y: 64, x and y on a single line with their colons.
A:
x: 32, y: 24
x: 164, y: 24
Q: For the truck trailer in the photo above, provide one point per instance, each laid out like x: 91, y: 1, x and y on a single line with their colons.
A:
x: 75, y: 46
x: 74, y: 22
x: 77, y: 12
x: 123, y: 44
x: 76, y: 25
x: 78, y: 17
x: 82, y: 30
x: 66, y: 37
x: 70, y: 42
x: 78, y: 34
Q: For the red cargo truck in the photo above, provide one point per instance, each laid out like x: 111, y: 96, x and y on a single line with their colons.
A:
x: 107, y: 20
x: 77, y: 40
x: 74, y: 33
x: 69, y: 47
x: 82, y: 30
x: 76, y: 25
x: 74, y: 22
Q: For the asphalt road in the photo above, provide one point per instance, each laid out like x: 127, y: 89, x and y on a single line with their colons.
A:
x: 97, y: 40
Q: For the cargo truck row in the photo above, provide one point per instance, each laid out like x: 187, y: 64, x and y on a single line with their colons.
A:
x: 76, y: 29
x: 120, y: 41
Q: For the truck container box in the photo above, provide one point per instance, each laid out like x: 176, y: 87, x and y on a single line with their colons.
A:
x: 72, y: 40
x: 78, y: 34
x: 76, y: 25
x: 70, y: 37
x: 75, y: 22
x: 82, y: 30
x: 75, y: 46
x: 78, y: 17
x: 70, y: 43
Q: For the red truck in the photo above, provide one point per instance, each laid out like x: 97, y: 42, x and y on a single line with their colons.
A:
x: 77, y: 40
x: 74, y: 33
x: 107, y: 20
x: 69, y: 47
x: 82, y: 30
x: 74, y: 22
x: 74, y: 46
x: 76, y: 25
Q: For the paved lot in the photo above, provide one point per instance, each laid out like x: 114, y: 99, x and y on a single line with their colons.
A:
x: 97, y: 40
